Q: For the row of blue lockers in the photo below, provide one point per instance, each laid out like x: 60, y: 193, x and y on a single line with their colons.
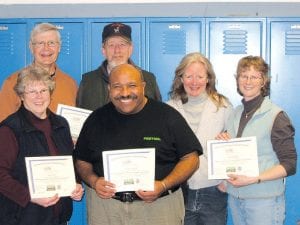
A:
x: 160, y: 43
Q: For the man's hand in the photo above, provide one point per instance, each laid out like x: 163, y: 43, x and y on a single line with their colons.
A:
x: 104, y: 189
x: 150, y: 196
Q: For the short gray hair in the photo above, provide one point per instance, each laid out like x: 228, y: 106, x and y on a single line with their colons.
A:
x: 44, y: 27
x: 30, y: 74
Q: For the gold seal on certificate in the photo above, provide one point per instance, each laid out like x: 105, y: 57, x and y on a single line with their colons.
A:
x: 50, y: 175
x: 235, y: 156
x: 130, y: 169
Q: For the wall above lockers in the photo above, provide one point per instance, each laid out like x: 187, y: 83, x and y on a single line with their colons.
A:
x: 147, y: 8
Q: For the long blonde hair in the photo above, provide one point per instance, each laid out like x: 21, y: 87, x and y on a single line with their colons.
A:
x: 177, y: 89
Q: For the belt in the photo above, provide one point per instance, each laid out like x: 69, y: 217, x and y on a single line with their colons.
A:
x: 131, y: 196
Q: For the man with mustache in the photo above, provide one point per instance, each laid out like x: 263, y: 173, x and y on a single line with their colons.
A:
x: 132, y: 121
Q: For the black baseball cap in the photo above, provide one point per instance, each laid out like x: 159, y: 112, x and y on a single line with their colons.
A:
x: 116, y: 29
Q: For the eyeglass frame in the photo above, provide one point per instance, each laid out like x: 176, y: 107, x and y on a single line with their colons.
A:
x: 245, y: 78
x: 34, y: 93
x: 41, y: 44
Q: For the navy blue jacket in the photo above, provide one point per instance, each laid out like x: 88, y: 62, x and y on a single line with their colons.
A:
x: 32, y: 142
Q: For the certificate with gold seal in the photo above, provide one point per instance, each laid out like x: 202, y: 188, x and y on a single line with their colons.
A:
x: 235, y: 156
x: 130, y: 169
x: 50, y: 175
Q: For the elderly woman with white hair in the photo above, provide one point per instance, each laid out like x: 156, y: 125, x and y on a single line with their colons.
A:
x: 32, y: 131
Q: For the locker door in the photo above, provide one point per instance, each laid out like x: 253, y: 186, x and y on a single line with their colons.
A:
x: 168, y: 41
x: 228, y: 40
x: 72, y: 55
x: 13, y: 46
x: 285, y: 85
x: 137, y: 35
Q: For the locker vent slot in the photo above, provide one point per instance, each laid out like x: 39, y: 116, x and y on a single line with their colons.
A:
x: 174, y: 42
x: 65, y: 47
x: 235, y: 42
x: 292, y: 42
x: 7, y: 43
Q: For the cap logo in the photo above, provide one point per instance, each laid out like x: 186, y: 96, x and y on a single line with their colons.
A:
x: 117, y: 30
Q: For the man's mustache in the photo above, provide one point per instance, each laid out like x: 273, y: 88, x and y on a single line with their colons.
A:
x: 132, y: 97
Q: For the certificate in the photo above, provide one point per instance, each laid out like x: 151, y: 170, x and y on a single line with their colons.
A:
x: 235, y: 156
x: 50, y: 175
x: 130, y: 169
x: 75, y: 117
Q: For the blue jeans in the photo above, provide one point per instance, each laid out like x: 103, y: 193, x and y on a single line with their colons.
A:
x: 205, y: 206
x: 259, y: 211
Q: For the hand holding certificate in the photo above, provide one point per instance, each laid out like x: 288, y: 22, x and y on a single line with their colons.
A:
x: 235, y: 156
x: 50, y: 175
x: 130, y: 169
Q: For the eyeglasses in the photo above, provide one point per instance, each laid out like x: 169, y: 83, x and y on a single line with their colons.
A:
x: 121, y: 46
x: 34, y: 93
x: 41, y: 44
x: 251, y: 78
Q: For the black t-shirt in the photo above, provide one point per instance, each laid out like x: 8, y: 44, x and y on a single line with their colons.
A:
x: 157, y: 126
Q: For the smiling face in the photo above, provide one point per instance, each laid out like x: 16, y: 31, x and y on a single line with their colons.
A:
x: 117, y: 50
x: 36, y: 98
x: 195, y: 79
x: 45, y: 47
x: 250, y: 82
x: 126, y: 89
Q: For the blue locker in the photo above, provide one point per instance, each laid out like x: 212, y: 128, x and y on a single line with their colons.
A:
x: 168, y: 41
x: 13, y: 47
x: 73, y: 50
x: 137, y: 35
x: 284, y: 56
x: 228, y: 40
x: 15, y: 54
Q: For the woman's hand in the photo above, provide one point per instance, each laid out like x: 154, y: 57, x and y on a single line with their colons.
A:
x: 223, y: 136
x: 77, y: 193
x: 46, y: 202
x: 222, y: 186
x: 241, y: 180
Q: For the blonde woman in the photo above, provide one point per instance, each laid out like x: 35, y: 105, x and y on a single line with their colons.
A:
x: 195, y: 96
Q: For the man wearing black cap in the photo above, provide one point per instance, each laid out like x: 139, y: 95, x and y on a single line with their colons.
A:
x: 117, y: 48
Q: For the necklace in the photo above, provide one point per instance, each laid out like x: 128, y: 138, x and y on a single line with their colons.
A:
x: 258, y: 102
x: 247, y: 114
